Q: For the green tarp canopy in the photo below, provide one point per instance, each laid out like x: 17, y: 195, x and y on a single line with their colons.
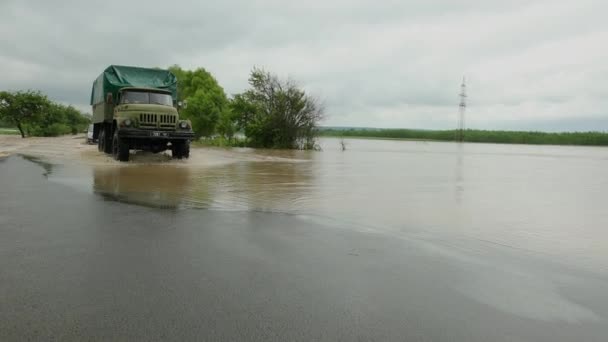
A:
x: 116, y: 77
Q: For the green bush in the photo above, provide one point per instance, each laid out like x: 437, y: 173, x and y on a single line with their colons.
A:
x: 276, y: 114
x: 205, y: 97
x: 220, y: 141
x: 52, y: 130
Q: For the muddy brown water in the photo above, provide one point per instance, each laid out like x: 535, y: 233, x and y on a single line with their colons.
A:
x: 388, y: 240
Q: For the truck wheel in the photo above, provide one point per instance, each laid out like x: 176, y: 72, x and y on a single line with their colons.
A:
x: 176, y: 150
x: 100, y: 141
x: 186, y: 149
x: 180, y: 149
x: 107, y: 139
x: 120, y: 148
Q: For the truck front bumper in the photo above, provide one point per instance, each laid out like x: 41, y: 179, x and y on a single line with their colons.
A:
x: 134, y: 133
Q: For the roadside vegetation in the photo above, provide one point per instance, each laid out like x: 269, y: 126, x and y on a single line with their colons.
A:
x: 220, y: 141
x: 276, y: 114
x: 9, y: 131
x: 272, y: 113
x: 207, y: 103
x: 32, y: 114
x: 471, y: 135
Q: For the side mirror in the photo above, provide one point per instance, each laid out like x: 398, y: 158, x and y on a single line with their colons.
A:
x: 109, y: 98
x: 184, y: 104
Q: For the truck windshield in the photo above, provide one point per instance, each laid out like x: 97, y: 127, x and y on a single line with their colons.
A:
x: 162, y: 99
x: 140, y: 97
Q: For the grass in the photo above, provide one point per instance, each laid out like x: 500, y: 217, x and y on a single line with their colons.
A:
x: 473, y: 135
x: 221, y: 142
x: 9, y: 131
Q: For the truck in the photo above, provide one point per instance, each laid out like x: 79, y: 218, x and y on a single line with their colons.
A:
x: 137, y: 108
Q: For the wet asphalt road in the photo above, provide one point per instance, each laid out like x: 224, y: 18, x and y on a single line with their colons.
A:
x: 77, y: 266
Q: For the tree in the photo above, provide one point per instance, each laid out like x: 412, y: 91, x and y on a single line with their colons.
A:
x: 58, y: 120
x: 23, y: 108
x: 75, y: 119
x: 203, y: 110
x: 226, y: 125
x: 275, y: 113
x: 206, y: 99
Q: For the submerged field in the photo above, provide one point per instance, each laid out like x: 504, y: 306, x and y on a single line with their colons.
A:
x: 473, y: 135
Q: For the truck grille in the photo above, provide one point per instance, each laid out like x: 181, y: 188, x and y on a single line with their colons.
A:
x: 150, y: 120
x: 167, y: 121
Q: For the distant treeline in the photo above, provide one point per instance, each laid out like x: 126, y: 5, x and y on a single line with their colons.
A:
x: 474, y: 135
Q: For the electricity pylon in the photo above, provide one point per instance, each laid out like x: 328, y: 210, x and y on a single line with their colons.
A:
x: 461, y: 111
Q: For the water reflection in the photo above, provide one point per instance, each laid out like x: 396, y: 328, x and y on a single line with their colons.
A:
x: 459, y: 183
x: 152, y: 186
x: 265, y: 186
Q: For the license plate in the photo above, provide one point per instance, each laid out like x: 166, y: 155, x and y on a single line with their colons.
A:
x: 159, y: 134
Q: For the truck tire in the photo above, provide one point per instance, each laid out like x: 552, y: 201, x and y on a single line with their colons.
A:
x: 120, y: 148
x: 180, y: 149
x: 186, y: 149
x: 107, y: 141
x: 100, y: 142
x: 176, y: 151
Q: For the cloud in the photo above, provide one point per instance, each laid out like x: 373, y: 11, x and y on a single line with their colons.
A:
x: 529, y: 65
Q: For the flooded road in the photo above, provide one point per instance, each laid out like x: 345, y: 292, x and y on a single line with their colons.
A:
x: 388, y: 240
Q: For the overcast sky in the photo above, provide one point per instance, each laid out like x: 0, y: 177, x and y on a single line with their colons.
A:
x: 528, y: 64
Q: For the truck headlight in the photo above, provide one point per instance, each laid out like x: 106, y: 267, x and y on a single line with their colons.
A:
x: 183, y: 125
x: 128, y: 122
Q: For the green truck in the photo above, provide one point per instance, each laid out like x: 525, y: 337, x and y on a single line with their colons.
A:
x: 136, y: 108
